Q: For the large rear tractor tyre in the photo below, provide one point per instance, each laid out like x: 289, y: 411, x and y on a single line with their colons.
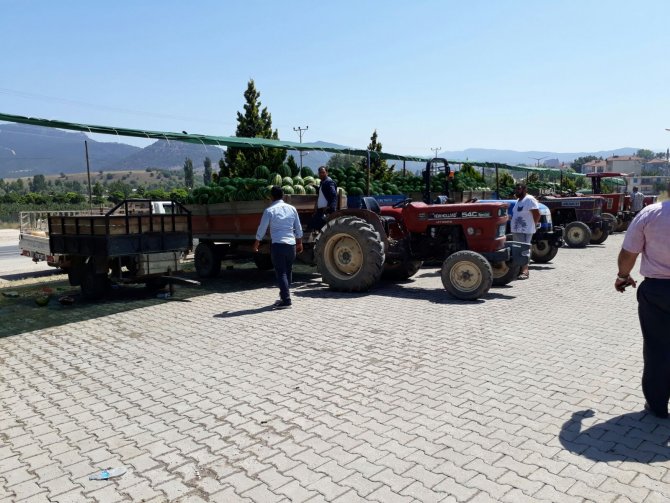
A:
x: 349, y: 254
x: 504, y: 273
x: 401, y: 270
x: 599, y: 236
x: 542, y: 252
x: 207, y: 261
x: 467, y: 275
x: 613, y: 221
x: 263, y: 262
x: 577, y: 235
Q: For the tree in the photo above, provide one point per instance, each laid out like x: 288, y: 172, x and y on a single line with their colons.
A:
x: 295, y: 169
x: 188, y: 173
x: 224, y: 169
x: 379, y: 168
x: 207, y: 176
x: 580, y: 161
x: 97, y: 189
x: 254, y: 123
x: 38, y: 184
x: 645, y: 154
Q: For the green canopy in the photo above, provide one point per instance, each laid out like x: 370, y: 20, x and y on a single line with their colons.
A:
x: 222, y: 141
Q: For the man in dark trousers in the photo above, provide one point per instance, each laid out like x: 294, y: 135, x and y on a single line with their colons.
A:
x: 648, y: 235
x: 326, y: 203
x: 286, y: 235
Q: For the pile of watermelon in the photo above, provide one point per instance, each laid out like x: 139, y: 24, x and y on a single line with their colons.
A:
x: 256, y: 188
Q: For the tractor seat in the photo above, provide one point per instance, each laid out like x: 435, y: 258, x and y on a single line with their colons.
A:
x: 371, y: 204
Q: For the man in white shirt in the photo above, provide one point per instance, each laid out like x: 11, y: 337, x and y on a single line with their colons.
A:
x: 286, y: 235
x: 636, y: 200
x: 525, y: 218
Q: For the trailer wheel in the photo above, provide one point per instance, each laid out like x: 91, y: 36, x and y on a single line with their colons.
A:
x: 94, y: 286
x: 401, y: 270
x: 349, y: 254
x: 207, y: 261
x: 542, y: 252
x: 577, y: 234
x: 467, y: 275
x: 504, y: 273
x: 599, y: 236
x: 263, y: 262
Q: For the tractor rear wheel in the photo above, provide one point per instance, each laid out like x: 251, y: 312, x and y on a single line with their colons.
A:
x: 207, y: 261
x: 504, y: 273
x: 349, y: 254
x: 467, y: 275
x: 598, y: 236
x: 542, y: 252
x: 263, y: 262
x: 401, y: 270
x: 577, y: 234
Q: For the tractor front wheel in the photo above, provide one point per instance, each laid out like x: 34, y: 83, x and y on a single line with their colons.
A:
x: 542, y: 252
x: 577, y: 234
x: 598, y: 236
x: 349, y: 254
x: 467, y: 275
x: 504, y: 273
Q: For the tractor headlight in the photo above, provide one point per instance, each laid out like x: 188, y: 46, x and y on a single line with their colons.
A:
x: 501, y: 230
x: 470, y: 231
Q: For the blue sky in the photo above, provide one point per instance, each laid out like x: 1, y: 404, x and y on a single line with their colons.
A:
x: 565, y: 76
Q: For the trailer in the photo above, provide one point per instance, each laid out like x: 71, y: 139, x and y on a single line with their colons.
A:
x: 131, y: 243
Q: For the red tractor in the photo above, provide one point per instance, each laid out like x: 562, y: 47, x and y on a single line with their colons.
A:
x: 614, y: 207
x: 357, y: 246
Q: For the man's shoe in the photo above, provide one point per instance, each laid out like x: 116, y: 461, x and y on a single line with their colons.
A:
x: 283, y: 305
x: 278, y: 303
x: 661, y: 415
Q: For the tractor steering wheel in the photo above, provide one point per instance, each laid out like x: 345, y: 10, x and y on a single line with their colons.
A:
x: 472, y: 200
x: 403, y: 203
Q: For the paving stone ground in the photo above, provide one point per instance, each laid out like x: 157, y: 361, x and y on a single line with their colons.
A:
x: 401, y: 394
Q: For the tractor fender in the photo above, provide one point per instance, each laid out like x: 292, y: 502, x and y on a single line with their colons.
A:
x: 516, y: 248
x: 369, y: 216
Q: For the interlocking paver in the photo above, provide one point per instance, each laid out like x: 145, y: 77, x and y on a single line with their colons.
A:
x: 386, y: 404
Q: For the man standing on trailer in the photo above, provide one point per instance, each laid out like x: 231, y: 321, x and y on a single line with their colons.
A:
x: 286, y: 236
x: 326, y: 203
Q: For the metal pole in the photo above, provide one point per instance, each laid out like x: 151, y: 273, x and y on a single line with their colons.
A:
x: 404, y: 171
x: 88, y: 174
x: 367, y: 184
x: 300, y: 130
x: 497, y: 184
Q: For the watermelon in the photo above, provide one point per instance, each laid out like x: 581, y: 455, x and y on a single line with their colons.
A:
x: 355, y: 191
x: 310, y: 189
x: 308, y: 180
x: 261, y: 172
x: 299, y: 189
x: 275, y: 179
x: 288, y: 189
x: 298, y: 181
x: 306, y: 171
x: 285, y: 170
x: 287, y: 181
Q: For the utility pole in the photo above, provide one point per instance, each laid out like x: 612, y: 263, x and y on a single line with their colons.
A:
x: 436, y: 150
x: 538, y: 159
x: 300, y: 131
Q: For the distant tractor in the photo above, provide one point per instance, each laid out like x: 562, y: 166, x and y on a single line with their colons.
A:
x: 614, y: 207
x: 581, y: 218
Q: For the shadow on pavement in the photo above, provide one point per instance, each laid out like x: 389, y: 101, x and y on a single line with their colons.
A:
x: 637, y: 436
x: 244, y: 312
x: 35, y: 274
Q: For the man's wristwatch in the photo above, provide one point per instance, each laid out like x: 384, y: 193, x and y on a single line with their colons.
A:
x: 622, y: 276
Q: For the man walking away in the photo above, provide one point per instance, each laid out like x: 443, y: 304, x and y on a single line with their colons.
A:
x: 648, y: 235
x: 286, y: 236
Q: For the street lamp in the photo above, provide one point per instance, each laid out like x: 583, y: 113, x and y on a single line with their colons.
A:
x: 538, y: 159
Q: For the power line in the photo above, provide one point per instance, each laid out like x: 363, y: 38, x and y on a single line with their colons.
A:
x: 436, y: 150
x: 300, y: 131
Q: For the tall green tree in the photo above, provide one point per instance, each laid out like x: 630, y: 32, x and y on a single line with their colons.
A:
x: 207, y: 175
x: 256, y: 122
x: 188, y: 173
x: 224, y: 169
x: 645, y: 154
x: 580, y: 161
x: 379, y: 168
x: 38, y: 184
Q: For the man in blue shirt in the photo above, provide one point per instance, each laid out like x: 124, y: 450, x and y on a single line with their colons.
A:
x: 286, y: 235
